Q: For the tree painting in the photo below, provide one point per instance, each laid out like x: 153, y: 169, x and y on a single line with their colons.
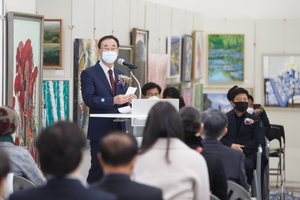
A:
x: 225, y: 58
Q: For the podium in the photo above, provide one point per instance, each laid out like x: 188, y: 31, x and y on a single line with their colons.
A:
x: 137, y: 119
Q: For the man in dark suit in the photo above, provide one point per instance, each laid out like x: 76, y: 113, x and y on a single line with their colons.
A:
x: 60, y: 147
x: 244, y: 129
x: 117, y: 155
x: 214, y: 124
x: 103, y: 93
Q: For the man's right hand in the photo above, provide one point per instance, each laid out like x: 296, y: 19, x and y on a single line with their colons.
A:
x: 121, y: 99
x: 237, y: 147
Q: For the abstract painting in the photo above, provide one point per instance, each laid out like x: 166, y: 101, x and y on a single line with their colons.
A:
x: 24, y: 66
x: 55, y: 101
x: 187, y: 55
x: 282, y: 80
x: 198, y: 46
x: 225, y: 58
x: 198, y: 96
x: 157, y: 70
x: 174, y: 52
x: 216, y: 100
x: 187, y: 96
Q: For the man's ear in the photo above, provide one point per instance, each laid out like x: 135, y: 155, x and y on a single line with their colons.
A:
x: 231, y: 103
x: 224, y: 132
x: 100, y: 159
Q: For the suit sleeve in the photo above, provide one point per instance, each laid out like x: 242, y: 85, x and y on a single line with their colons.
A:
x: 88, y: 90
x: 252, y: 144
x: 219, y: 186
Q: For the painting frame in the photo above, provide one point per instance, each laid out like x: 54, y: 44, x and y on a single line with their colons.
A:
x: 52, y: 45
x: 281, y: 80
x: 198, y: 50
x: 174, y: 52
x: 187, y: 95
x: 198, y: 92
x: 24, y: 72
x: 57, y: 92
x: 225, y: 59
x: 126, y: 53
x: 187, y: 56
x: 140, y: 40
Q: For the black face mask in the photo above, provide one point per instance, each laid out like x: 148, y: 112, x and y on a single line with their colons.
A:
x: 241, y: 106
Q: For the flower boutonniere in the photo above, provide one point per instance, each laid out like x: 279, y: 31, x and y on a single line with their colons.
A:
x: 249, y: 121
x: 257, y: 111
x: 123, y: 79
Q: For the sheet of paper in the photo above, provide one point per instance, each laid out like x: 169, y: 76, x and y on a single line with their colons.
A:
x: 125, y: 110
x: 130, y: 90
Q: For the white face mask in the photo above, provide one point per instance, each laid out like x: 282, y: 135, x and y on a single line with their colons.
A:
x: 153, y: 97
x: 109, y: 57
x: 250, y: 110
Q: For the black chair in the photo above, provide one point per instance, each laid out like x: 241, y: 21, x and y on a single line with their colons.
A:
x: 21, y: 183
x: 256, y: 183
x: 237, y: 192
x: 278, y: 152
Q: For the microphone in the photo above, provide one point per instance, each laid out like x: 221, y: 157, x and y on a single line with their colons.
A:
x: 122, y: 62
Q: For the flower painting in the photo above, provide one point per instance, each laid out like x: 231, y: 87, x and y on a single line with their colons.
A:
x: 174, y: 51
x: 282, y: 80
x: 225, y: 58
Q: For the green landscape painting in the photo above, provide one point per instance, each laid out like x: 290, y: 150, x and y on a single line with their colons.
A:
x: 225, y: 58
x: 52, y: 43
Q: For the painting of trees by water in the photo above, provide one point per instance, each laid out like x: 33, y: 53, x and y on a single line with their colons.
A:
x: 225, y: 58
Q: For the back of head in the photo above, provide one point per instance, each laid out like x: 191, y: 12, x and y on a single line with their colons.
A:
x: 150, y: 85
x: 163, y: 121
x: 60, y: 148
x: 214, y: 122
x: 191, y: 120
x: 4, y: 165
x: 118, y: 148
x: 9, y: 120
x: 171, y: 92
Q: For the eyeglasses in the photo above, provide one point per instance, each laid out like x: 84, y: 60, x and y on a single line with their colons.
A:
x: 108, y: 49
x: 150, y: 94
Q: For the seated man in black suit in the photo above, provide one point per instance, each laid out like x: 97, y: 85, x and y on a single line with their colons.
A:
x: 117, y: 155
x: 244, y: 129
x: 214, y: 124
x: 60, y: 147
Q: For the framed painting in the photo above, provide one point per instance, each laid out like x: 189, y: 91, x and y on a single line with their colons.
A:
x: 187, y: 96
x: 216, y: 100
x: 198, y: 96
x: 125, y: 52
x: 225, y: 58
x: 52, y: 43
x: 139, y: 40
x: 187, y: 55
x: 174, y: 52
x: 24, y: 71
x: 55, y: 101
x: 282, y: 80
x: 85, y: 55
x: 198, y: 46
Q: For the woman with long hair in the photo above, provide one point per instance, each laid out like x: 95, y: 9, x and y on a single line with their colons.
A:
x: 165, y: 161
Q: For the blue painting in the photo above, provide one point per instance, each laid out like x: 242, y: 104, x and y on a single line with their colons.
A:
x: 216, y: 100
x: 282, y: 80
x: 225, y: 58
x: 55, y: 101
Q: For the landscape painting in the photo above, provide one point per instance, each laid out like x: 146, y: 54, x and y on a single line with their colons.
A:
x: 225, y: 58
x: 216, y: 100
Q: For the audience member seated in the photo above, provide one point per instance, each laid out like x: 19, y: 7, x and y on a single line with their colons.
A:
x: 244, y: 129
x: 4, y: 169
x: 214, y: 127
x: 60, y: 147
x: 22, y: 163
x: 165, y: 161
x: 151, y: 91
x: 191, y: 120
x: 117, y: 156
x: 173, y: 93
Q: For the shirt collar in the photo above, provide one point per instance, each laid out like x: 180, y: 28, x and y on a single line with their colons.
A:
x: 104, y: 67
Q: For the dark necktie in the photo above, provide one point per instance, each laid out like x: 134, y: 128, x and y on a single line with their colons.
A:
x: 112, y: 82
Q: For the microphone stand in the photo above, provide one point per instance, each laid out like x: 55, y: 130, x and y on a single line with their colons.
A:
x: 139, y: 86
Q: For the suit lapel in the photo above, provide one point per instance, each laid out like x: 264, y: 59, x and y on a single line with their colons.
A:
x: 103, y: 78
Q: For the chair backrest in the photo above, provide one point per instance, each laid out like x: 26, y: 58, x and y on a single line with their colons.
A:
x: 213, y: 197
x: 281, y: 130
x: 275, y: 134
x: 235, y: 191
x: 21, y: 183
